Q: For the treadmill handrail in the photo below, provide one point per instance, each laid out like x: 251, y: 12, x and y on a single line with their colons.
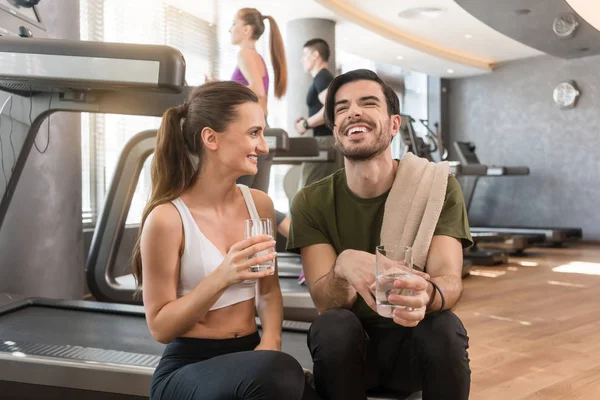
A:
x: 111, y: 222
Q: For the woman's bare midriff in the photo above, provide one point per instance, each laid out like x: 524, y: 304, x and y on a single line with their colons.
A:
x: 225, y: 323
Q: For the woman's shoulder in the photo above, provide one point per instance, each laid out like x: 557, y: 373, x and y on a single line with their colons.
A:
x: 248, y: 54
x: 164, y: 218
x: 264, y: 203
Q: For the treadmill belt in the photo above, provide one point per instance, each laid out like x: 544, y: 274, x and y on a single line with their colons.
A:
x: 56, y: 326
x: 102, y: 337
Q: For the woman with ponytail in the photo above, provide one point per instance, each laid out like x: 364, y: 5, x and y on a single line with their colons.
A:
x: 248, y: 26
x: 193, y: 263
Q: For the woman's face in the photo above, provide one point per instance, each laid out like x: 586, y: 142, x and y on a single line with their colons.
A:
x: 243, y: 141
x: 239, y: 31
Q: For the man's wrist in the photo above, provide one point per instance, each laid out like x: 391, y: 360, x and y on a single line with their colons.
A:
x: 305, y: 123
x: 431, y: 293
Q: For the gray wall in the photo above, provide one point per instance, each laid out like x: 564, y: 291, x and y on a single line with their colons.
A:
x: 511, y: 117
x: 41, y: 240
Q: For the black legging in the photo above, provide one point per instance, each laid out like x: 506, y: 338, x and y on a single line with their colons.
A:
x: 227, y: 369
x: 349, y: 361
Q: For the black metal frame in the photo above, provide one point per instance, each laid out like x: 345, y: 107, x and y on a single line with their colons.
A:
x: 127, y: 103
x: 38, y: 24
x: 111, y: 222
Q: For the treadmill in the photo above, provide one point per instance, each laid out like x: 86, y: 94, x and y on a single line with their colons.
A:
x: 553, y: 235
x: 56, y: 349
x: 491, y: 247
x: 474, y: 255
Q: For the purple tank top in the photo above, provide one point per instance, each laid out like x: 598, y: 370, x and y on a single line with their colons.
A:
x: 237, y: 76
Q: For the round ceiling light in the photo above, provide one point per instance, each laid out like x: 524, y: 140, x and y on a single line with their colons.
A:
x: 421, y: 13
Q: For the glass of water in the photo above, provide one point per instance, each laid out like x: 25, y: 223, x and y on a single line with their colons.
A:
x: 263, y: 226
x: 391, y: 263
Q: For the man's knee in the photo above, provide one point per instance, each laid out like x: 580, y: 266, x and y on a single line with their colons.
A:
x: 274, y: 373
x: 336, y: 331
x: 444, y: 335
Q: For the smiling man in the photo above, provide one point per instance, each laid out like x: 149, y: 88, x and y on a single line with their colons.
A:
x: 336, y: 225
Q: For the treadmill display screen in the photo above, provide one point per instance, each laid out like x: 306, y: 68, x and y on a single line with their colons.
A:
x: 23, y: 11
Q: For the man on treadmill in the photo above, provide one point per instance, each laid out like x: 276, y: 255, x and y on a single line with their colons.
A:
x: 315, y: 57
x: 336, y: 225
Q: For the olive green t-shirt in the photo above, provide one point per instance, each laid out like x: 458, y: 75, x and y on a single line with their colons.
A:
x: 328, y: 212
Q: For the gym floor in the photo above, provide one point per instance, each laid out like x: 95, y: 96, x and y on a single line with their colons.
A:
x: 534, y: 326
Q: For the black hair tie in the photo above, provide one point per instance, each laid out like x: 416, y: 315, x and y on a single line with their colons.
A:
x: 436, y: 287
x: 181, y: 110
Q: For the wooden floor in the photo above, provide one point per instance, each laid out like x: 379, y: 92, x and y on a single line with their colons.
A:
x: 535, y: 331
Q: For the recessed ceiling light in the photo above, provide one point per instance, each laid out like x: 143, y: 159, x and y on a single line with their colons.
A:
x: 400, y: 58
x: 421, y: 12
x: 450, y: 71
x: 467, y: 36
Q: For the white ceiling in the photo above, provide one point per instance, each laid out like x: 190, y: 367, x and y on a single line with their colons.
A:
x: 449, y: 29
x: 433, y: 42
x: 358, y: 40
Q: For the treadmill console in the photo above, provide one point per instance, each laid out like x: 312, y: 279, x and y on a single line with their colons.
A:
x: 42, y: 65
x: 466, y: 152
x: 31, y: 63
x: 21, y: 18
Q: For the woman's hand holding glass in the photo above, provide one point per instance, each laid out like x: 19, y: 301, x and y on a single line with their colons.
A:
x: 240, y: 262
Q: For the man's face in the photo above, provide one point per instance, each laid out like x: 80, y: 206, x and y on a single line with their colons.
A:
x: 309, y: 57
x: 363, y: 129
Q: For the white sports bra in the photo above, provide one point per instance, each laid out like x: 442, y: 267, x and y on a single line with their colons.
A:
x: 201, y: 257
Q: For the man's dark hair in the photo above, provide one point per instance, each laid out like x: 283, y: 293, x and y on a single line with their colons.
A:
x: 391, y: 98
x: 320, y: 46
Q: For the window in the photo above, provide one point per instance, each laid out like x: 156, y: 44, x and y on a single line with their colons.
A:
x: 142, y: 22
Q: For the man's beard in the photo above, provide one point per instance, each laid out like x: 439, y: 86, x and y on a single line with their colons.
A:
x: 365, y: 153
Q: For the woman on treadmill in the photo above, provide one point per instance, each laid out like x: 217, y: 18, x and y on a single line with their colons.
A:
x: 192, y: 260
x: 251, y: 70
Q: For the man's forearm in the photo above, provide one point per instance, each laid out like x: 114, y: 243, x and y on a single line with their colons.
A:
x: 316, y: 120
x: 332, y: 291
x: 451, y: 287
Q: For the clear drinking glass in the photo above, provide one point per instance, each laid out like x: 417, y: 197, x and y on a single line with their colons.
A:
x: 263, y: 226
x: 391, y: 263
